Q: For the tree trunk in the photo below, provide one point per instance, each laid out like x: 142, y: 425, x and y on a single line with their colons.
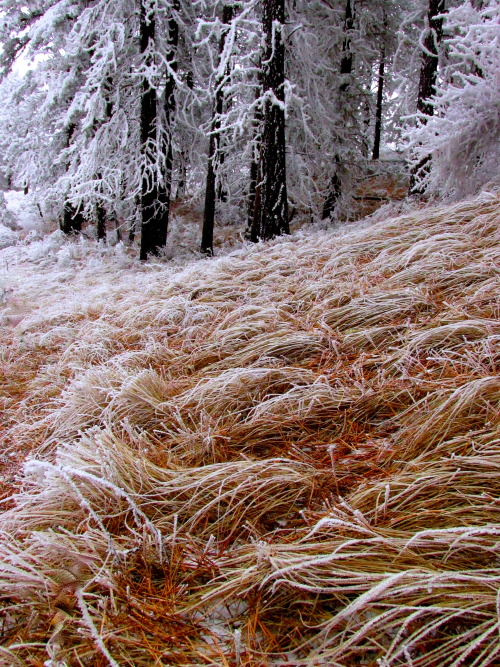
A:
x: 151, y: 227
x: 378, y: 113
x: 272, y: 203
x: 101, y: 222
x: 347, y: 58
x: 346, y: 67
x: 72, y: 220
x: 427, y: 84
x: 207, y: 238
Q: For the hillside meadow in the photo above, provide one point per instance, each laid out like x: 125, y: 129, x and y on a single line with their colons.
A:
x: 289, y: 455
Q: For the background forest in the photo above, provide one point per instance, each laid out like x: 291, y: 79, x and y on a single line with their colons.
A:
x: 253, y: 112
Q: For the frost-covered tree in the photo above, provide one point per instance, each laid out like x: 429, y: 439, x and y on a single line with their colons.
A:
x: 87, y: 90
x: 462, y: 134
x: 260, y: 106
x: 377, y: 138
x: 334, y: 51
x: 215, y: 154
x: 79, y: 91
x: 229, y: 40
x: 431, y: 43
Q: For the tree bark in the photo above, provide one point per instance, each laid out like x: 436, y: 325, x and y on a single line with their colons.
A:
x: 347, y: 58
x: 151, y: 226
x: 101, y: 222
x: 272, y: 212
x: 72, y: 219
x: 207, y: 238
x: 427, y: 84
x: 346, y: 67
x: 378, y: 114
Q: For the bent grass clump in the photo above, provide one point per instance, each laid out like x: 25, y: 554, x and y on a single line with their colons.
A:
x: 284, y: 457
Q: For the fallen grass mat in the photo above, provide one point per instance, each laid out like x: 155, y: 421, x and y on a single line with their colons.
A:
x: 287, y: 456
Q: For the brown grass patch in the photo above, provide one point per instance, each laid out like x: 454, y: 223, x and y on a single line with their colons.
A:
x: 284, y: 457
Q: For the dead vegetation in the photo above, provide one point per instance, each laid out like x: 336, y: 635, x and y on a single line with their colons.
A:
x: 289, y: 456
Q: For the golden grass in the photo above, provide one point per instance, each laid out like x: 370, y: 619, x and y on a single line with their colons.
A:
x: 289, y: 456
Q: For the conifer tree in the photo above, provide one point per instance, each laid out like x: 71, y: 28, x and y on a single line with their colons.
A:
x: 427, y: 82
x: 214, y: 156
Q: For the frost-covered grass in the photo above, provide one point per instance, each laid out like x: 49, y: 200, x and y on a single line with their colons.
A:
x: 288, y: 455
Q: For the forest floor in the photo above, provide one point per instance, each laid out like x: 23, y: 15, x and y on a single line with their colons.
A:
x: 285, y: 455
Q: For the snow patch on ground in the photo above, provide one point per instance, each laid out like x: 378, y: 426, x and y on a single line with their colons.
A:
x: 8, y: 237
x: 24, y: 209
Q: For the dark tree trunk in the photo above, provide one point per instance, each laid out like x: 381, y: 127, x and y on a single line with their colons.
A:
x: 72, y: 220
x: 427, y: 84
x: 100, y: 219
x: 131, y: 232
x: 430, y: 60
x: 271, y: 217
x: 346, y: 67
x: 101, y: 222
x: 207, y: 237
x: 151, y: 227
x: 347, y: 56
x: 118, y: 230
x: 378, y: 113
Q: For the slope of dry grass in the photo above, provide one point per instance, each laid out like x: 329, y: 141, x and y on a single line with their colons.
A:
x: 288, y: 457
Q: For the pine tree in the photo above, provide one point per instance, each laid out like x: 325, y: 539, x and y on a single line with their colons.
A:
x: 456, y: 150
x: 427, y: 83
x: 380, y: 94
x: 169, y: 108
x: 346, y: 66
x: 214, y: 156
